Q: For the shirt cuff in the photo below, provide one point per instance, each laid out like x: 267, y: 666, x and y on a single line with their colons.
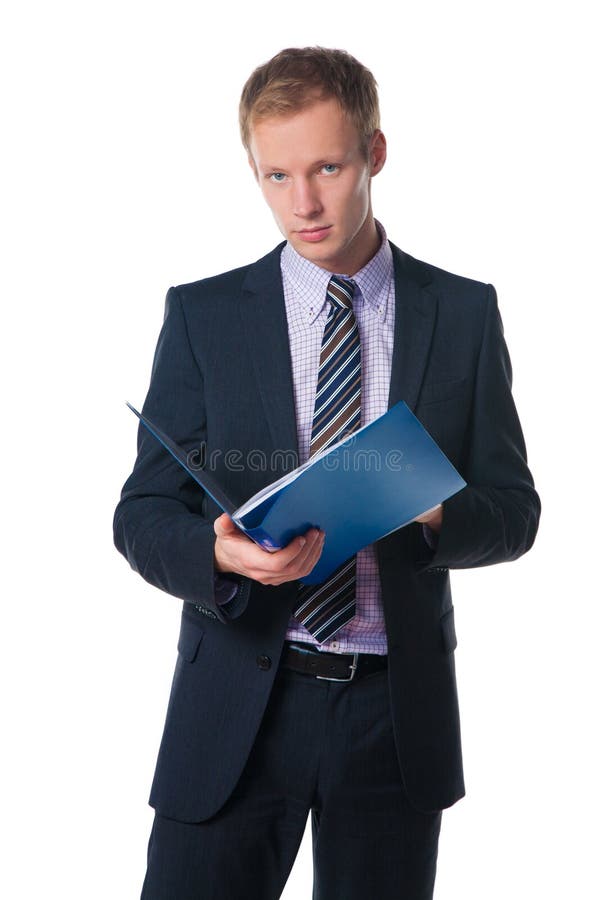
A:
x: 432, y: 537
x: 225, y: 589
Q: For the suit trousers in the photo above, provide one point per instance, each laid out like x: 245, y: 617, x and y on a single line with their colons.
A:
x: 326, y: 748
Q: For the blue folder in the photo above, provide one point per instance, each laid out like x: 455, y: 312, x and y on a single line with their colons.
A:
x: 374, y: 481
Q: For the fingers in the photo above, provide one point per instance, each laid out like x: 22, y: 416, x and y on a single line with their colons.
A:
x: 312, y: 548
x: 294, y: 556
x: 300, y: 565
x: 236, y: 552
x: 315, y: 555
x: 429, y: 514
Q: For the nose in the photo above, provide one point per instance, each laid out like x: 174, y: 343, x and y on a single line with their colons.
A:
x: 307, y: 203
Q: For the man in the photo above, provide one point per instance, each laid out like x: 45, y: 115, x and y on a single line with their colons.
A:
x: 338, y: 699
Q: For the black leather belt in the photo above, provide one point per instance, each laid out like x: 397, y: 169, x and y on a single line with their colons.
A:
x: 330, y: 666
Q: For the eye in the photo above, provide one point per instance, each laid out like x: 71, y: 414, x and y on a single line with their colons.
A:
x: 330, y: 168
x: 277, y: 177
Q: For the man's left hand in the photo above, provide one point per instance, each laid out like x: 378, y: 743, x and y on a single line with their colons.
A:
x: 433, y: 518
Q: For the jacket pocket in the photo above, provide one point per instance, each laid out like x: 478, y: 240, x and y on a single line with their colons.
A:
x: 448, y: 630
x: 190, y: 636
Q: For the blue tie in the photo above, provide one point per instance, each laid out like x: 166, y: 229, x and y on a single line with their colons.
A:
x: 325, y: 608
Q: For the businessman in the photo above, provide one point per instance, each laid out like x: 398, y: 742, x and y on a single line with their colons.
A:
x: 337, y: 699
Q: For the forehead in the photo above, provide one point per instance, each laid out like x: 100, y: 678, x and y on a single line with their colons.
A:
x: 320, y: 131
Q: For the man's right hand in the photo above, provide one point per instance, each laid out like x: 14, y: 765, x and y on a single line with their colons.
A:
x: 236, y: 552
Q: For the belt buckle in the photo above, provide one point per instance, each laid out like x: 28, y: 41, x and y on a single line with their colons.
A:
x: 353, y: 667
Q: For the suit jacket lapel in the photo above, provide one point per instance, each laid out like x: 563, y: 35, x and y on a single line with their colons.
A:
x: 265, y: 322
x: 416, y: 311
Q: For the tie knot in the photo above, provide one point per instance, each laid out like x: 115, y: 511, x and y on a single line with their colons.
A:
x: 341, y: 291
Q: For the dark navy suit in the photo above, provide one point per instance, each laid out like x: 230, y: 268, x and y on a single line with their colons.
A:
x: 222, y: 380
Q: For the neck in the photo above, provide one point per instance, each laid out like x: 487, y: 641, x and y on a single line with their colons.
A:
x: 363, y: 248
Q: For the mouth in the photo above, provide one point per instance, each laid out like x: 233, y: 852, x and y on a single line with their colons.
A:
x: 316, y: 233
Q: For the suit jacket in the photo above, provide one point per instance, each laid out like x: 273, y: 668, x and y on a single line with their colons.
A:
x: 222, y: 382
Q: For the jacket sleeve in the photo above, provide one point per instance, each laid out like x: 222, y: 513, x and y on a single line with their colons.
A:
x: 495, y: 518
x: 159, y: 525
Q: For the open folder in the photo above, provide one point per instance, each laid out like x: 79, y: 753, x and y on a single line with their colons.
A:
x: 372, y: 482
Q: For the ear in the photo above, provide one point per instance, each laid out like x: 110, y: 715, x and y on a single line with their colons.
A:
x: 252, y: 165
x: 377, y: 152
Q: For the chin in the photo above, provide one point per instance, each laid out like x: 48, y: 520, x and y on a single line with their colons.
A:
x: 320, y: 258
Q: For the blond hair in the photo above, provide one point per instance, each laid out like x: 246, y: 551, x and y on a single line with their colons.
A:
x: 298, y: 76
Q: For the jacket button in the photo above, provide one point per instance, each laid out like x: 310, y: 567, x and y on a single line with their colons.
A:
x: 264, y: 662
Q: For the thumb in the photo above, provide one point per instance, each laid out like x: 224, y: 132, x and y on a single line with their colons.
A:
x: 224, y: 525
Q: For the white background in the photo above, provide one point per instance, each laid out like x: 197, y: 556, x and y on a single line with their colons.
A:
x: 124, y: 174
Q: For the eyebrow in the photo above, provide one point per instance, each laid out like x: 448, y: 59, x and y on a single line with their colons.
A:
x: 331, y: 160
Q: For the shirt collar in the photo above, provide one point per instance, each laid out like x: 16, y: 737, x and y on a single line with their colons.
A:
x: 310, y: 281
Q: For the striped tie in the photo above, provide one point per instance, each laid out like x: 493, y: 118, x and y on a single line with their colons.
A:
x: 325, y: 608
